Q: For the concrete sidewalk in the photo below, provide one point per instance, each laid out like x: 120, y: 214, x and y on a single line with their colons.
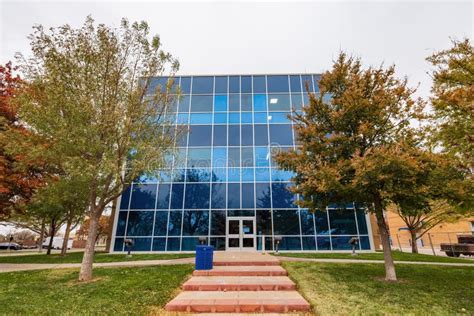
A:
x: 452, y: 264
x: 10, y: 267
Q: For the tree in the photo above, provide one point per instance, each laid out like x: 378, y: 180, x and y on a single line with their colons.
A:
x: 18, y: 177
x: 350, y: 145
x: 102, y: 229
x: 90, y: 91
x: 453, y: 100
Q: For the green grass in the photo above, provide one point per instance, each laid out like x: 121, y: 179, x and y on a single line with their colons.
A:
x: 114, y: 291
x: 76, y: 257
x: 397, y: 255
x: 359, y: 289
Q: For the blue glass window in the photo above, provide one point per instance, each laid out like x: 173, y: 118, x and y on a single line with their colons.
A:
x: 262, y: 195
x: 122, y: 221
x: 234, y: 157
x: 259, y: 85
x: 125, y: 199
x: 218, y: 219
x: 295, y: 83
x: 264, y: 222
x: 190, y: 243
x: 259, y: 102
x: 183, y: 119
x: 234, y: 135
x: 247, y: 174
x: 324, y: 243
x: 262, y: 174
x: 184, y: 104
x: 234, y: 103
x: 234, y: 84
x: 260, y: 117
x: 201, y: 103
x: 198, y: 175
x: 163, y: 196
x: 309, y: 243
x: 296, y: 102
x: 141, y: 244
x: 316, y: 82
x: 261, y: 134
x: 286, y: 222
x: 220, y: 135
x: 307, y: 82
x: 321, y: 219
x: 290, y: 243
x: 159, y: 244
x: 218, y: 243
x: 262, y: 157
x: 173, y: 244
x: 233, y: 195
x: 161, y: 221
x: 234, y: 118
x: 277, y: 84
x: 174, y: 225
x: 361, y: 221
x: 342, y: 222
x: 280, y: 117
x: 246, y: 84
x: 203, y: 85
x: 218, y: 196
x: 177, y: 196
x: 247, y: 157
x: 220, y: 103
x: 195, y: 223
x: 220, y: 118
x: 140, y: 223
x: 248, y: 195
x: 219, y: 175
x: 200, y: 135
x: 221, y: 84
x: 233, y: 174
x: 247, y: 135
x: 307, y: 223
x: 199, y: 157
x: 219, y: 157
x: 197, y: 195
x: 364, y: 242
x: 118, y: 246
x: 246, y: 102
x: 179, y: 175
x: 246, y: 117
x: 201, y: 118
x: 281, y: 175
x: 185, y: 85
x: 341, y: 242
x: 282, y: 197
x: 279, y: 102
x: 281, y: 134
x: 143, y: 196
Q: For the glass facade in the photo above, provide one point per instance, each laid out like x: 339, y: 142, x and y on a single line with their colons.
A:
x: 224, y: 170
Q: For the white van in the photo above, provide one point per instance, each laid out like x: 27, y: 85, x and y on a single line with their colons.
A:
x: 57, y: 243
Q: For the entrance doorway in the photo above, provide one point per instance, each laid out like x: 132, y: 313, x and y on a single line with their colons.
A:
x: 240, y: 234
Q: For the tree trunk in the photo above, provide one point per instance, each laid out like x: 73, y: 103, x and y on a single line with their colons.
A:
x: 66, y: 236
x: 110, y: 226
x: 390, y: 274
x: 43, y: 229
x: 414, y: 244
x: 88, y: 258
x: 52, y: 232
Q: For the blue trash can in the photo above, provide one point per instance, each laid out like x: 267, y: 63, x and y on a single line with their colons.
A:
x: 204, y: 257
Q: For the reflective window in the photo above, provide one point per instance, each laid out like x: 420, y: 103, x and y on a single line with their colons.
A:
x: 200, y: 135
x: 218, y: 197
x: 296, y: 102
x: 141, y: 244
x: 185, y: 85
x: 295, y: 83
x: 203, y: 85
x: 234, y: 135
x: 246, y: 84
x: 233, y: 195
x: 221, y: 84
x: 173, y: 244
x: 161, y: 221
x: 125, y: 199
x: 197, y: 195
x: 246, y: 102
x: 262, y: 174
x: 246, y: 118
x: 341, y: 243
x: 279, y: 117
x: 260, y: 117
x: 219, y: 157
x: 361, y: 221
x: 309, y: 243
x: 234, y: 84
x: 122, y: 221
x: 307, y: 82
x: 220, y: 103
x: 261, y: 134
x: 259, y: 85
x: 234, y: 157
x: 200, y: 118
x: 286, y: 222
x: 219, y: 175
x: 307, y: 222
x: 342, y: 222
x: 198, y: 175
x: 316, y: 82
x: 218, y: 219
x: 281, y: 134
x: 248, y: 195
x: 324, y: 243
x: 184, y: 103
x: 262, y: 156
x: 140, y: 223
x: 163, y: 196
x: 234, y: 118
x: 234, y: 102
x: 174, y: 225
x: 247, y: 135
x: 177, y: 191
x: 190, y: 243
x: 201, y: 103
x: 262, y: 195
x: 220, y: 135
x: 259, y: 102
x: 279, y: 102
x: 199, y: 157
x: 277, y: 84
x: 220, y: 118
x: 118, y: 246
x: 247, y: 157
x: 290, y: 243
x: 322, y: 228
x: 281, y: 196
x: 195, y: 223
x: 143, y: 196
x: 159, y: 244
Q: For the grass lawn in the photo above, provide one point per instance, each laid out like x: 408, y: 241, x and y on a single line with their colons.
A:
x: 397, y: 255
x: 345, y: 289
x: 76, y: 257
x: 133, y: 291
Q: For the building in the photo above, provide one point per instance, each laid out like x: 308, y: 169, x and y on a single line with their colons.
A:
x: 223, y: 187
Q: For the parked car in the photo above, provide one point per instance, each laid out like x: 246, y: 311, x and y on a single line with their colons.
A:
x: 11, y: 245
x: 57, y: 243
x: 464, y: 246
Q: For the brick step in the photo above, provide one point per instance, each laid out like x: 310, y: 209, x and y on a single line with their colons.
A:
x: 238, y: 302
x: 246, y: 263
x: 239, y: 283
x: 242, y: 271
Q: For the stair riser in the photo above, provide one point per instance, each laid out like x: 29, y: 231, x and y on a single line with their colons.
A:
x: 239, y: 287
x: 247, y: 263
x: 232, y: 308
x: 239, y: 273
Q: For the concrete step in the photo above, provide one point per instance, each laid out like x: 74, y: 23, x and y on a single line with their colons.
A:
x: 246, y: 263
x: 239, y: 283
x: 242, y: 271
x: 238, y: 302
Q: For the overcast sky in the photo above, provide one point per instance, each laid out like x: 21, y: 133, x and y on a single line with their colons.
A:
x: 265, y: 37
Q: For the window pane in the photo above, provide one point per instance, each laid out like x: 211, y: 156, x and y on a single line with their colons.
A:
x: 322, y: 228
x: 141, y: 244
x: 246, y: 84
x: 316, y: 79
x: 286, y: 222
x: 307, y: 223
x: 264, y: 222
x: 220, y: 118
x: 197, y: 195
x: 246, y: 102
x: 221, y: 84
x: 198, y: 175
x: 220, y: 103
x: 201, y: 103
x: 199, y: 157
x: 184, y: 104
x: 281, y: 134
x: 234, y: 84
x: 262, y: 191
x: 218, y: 243
x: 261, y: 134
x: 203, y: 85
x: 247, y: 174
x: 234, y: 135
x: 196, y: 223
x: 324, y: 243
x: 247, y: 157
x: 190, y: 243
x: 234, y: 118
x: 177, y: 196
x: 201, y: 118
x: 295, y: 83
x: 259, y: 102
x: 200, y: 135
x: 277, y: 83
x: 143, y: 196
x: 218, y: 219
x: 121, y: 223
x: 282, y: 197
x: 262, y: 174
x: 280, y: 117
x: 341, y: 243
x: 234, y: 102
x: 233, y: 195
x: 140, y: 223
x: 219, y: 157
x: 218, y: 196
x: 174, y: 244
x: 307, y: 80
x: 161, y: 222
x: 246, y: 118
x: 296, y: 102
x: 185, y: 85
x: 234, y: 157
x: 248, y: 195
x: 163, y: 196
x: 290, y: 243
x: 259, y: 84
x: 260, y: 117
x: 262, y: 157
x: 125, y: 199
x: 174, y: 225
x: 220, y: 135
x: 279, y: 102
x: 342, y: 222
x: 159, y: 244
x: 247, y: 135
x: 309, y: 243
x: 233, y: 174
x: 361, y: 221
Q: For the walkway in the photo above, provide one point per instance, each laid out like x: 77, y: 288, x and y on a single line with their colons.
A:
x: 240, y: 283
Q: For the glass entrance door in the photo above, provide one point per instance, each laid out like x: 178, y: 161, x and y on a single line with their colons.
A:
x: 240, y: 233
